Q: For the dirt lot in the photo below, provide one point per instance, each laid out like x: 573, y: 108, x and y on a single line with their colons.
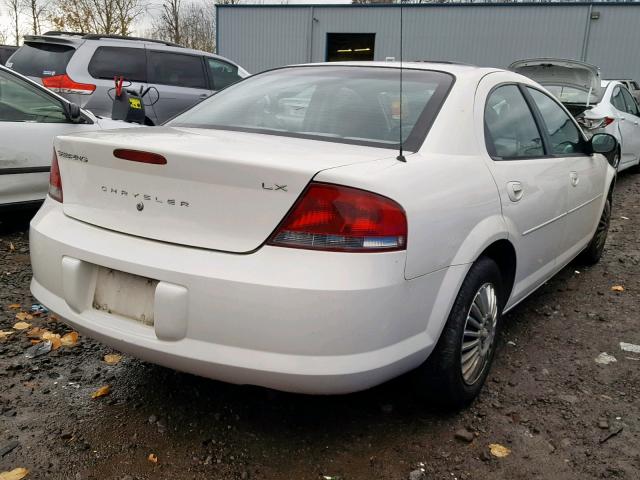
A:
x: 562, y: 415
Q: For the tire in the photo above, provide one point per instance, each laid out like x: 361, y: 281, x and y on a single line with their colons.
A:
x: 441, y: 379
x: 635, y: 169
x: 615, y: 162
x: 592, y: 254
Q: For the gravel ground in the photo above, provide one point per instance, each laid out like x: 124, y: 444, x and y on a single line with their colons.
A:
x: 561, y: 414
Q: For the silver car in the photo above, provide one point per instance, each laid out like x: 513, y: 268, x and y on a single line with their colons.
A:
x: 82, y: 68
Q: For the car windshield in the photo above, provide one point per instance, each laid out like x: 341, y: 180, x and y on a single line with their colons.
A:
x: 568, y: 94
x: 358, y: 105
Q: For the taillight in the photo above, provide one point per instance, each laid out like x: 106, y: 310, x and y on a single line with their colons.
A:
x: 55, y: 181
x: 345, y: 219
x: 64, y: 84
x: 593, y: 123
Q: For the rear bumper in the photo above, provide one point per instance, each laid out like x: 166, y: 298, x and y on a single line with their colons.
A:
x: 294, y: 320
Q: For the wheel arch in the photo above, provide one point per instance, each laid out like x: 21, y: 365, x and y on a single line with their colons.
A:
x: 491, y: 238
x: 504, y: 254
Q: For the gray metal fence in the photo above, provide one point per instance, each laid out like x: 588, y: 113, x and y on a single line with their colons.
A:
x: 606, y: 34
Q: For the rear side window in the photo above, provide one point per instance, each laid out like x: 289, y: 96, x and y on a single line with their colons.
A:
x: 110, y: 62
x: 41, y: 59
x: 632, y: 107
x: 168, y: 68
x: 222, y: 73
x: 563, y: 133
x: 618, y: 100
x: 510, y: 129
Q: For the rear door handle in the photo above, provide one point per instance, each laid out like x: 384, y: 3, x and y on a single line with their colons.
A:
x: 574, y: 178
x: 515, y: 191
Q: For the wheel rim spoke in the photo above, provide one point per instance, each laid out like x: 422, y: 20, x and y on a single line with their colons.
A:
x: 479, y: 334
x: 471, y: 333
x: 470, y: 356
x: 476, y: 314
x: 471, y: 366
x: 469, y: 345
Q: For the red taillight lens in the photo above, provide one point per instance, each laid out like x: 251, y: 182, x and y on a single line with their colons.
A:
x: 608, y: 121
x: 55, y: 181
x: 64, y: 84
x: 337, y: 218
x: 139, y: 156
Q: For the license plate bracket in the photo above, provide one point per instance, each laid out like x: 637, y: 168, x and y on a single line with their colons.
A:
x: 124, y: 294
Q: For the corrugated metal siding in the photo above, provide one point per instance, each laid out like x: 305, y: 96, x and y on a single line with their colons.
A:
x: 614, y: 42
x: 262, y: 38
x: 488, y: 35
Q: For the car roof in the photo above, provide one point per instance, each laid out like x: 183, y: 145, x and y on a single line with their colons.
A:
x: 456, y: 69
x: 77, y: 39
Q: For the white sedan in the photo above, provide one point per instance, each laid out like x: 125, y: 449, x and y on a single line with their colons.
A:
x: 276, y: 235
x: 30, y: 116
x: 599, y: 106
x: 617, y: 113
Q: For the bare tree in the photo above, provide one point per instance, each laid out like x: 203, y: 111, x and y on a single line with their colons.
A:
x: 199, y: 26
x: 97, y: 16
x: 170, y: 20
x: 14, y: 14
x: 37, y: 12
x: 190, y: 24
x: 126, y: 12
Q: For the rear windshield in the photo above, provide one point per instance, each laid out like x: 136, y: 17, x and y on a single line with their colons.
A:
x: 41, y: 59
x: 573, y: 95
x: 347, y: 104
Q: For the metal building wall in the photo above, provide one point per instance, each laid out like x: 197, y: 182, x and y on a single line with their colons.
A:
x: 261, y: 37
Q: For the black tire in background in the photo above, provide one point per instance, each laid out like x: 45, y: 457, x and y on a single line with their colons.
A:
x: 592, y: 254
x: 440, y: 379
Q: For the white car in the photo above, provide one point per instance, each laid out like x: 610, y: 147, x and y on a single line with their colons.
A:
x: 617, y: 113
x: 275, y: 235
x: 600, y: 106
x: 30, y: 116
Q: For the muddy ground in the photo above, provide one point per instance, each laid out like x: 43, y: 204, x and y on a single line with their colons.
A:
x: 562, y: 415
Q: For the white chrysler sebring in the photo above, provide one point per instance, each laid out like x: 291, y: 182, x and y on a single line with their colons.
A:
x: 274, y: 234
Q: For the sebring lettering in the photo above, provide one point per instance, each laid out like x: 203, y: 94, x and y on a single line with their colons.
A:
x: 144, y: 196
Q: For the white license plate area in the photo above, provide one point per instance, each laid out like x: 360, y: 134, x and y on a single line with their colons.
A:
x: 124, y: 294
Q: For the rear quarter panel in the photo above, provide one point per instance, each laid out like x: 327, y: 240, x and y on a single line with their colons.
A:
x: 451, y: 200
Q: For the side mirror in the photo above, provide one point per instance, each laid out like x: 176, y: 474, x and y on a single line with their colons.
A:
x: 605, y: 144
x: 73, y: 112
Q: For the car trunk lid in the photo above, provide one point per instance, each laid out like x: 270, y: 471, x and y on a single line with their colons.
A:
x: 573, y: 74
x: 219, y: 190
